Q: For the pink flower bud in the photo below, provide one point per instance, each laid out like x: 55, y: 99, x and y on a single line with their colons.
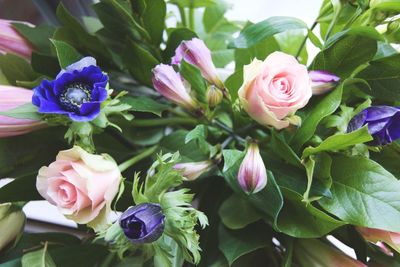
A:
x: 377, y: 236
x: 252, y: 175
x: 10, y: 98
x: 197, y: 53
x: 12, y: 42
x: 322, y: 81
x: 193, y: 170
x: 314, y: 253
x: 170, y: 84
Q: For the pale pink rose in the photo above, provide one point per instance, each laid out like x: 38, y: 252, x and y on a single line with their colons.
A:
x: 81, y: 185
x: 10, y: 98
x: 274, y: 89
x: 12, y: 42
x: 377, y: 236
x: 252, y: 175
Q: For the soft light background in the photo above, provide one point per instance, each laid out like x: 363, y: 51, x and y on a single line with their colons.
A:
x: 253, y: 10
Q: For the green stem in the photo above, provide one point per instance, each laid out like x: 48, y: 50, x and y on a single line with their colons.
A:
x: 183, y: 16
x: 191, y: 16
x: 163, y: 122
x: 230, y: 131
x: 333, y: 23
x: 305, y: 39
x: 132, y: 161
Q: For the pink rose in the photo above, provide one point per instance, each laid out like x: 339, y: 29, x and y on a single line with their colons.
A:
x: 81, y: 185
x: 274, y: 89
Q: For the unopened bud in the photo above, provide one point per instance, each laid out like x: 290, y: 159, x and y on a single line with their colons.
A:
x: 214, y: 96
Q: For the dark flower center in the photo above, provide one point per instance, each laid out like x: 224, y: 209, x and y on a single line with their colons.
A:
x: 74, y: 95
x: 134, y: 228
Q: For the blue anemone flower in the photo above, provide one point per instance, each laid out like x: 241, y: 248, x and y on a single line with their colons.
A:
x: 77, y: 91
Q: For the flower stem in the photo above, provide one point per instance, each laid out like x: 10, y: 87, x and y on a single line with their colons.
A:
x: 132, y: 161
x: 230, y: 131
x: 333, y: 23
x: 191, y: 16
x: 183, y: 15
x: 305, y: 39
x: 163, y: 122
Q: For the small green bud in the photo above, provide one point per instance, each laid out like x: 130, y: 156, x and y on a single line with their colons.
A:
x: 12, y: 221
x: 214, y: 96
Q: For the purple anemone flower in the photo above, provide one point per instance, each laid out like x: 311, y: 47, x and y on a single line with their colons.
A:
x: 383, y: 123
x: 143, y: 223
x: 77, y: 91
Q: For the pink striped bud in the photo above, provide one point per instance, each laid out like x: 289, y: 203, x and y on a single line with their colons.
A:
x: 197, y: 53
x: 252, y: 175
x: 10, y: 98
x: 193, y: 170
x: 12, y: 42
x: 170, y: 84
x: 314, y: 253
x: 322, y: 81
x: 377, y: 236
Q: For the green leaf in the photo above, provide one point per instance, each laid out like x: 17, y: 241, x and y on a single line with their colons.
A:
x: 303, y: 220
x: 260, y: 51
x: 364, y: 194
x: 323, y: 108
x: 279, y: 145
x: 139, y: 62
x: 231, y: 157
x: 235, y: 244
x: 383, y: 75
x: 213, y: 16
x: 26, y: 111
x: 258, y: 32
x: 389, y: 157
x: 39, y: 258
x: 345, y: 55
x: 233, y: 84
x: 38, y: 36
x: 340, y: 141
x: 45, y: 64
x: 193, y: 4
x: 193, y: 75
x: 21, y: 189
x: 119, y: 21
x: 228, y: 212
x: 290, y: 42
x: 66, y: 54
x: 175, y: 37
x: 16, y: 69
x: 198, y: 133
x: 75, y: 34
x: 145, y: 104
x: 84, y: 255
x: 153, y: 19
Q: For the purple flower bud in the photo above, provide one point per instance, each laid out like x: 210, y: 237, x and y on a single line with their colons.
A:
x: 383, y: 123
x: 170, y: 84
x: 143, y: 223
x: 252, y: 175
x: 193, y: 170
x: 323, y: 81
x: 197, y: 53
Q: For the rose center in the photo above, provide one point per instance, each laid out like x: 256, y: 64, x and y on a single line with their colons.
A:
x: 74, y: 95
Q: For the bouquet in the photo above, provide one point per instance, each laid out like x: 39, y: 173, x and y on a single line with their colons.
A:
x: 184, y: 138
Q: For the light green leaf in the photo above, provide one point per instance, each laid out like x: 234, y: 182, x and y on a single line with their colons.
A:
x: 66, y: 54
x: 193, y: 75
x: 364, y: 194
x: 39, y: 258
x: 26, y: 111
x: 231, y: 157
x: 234, y: 220
x: 280, y: 147
x: 235, y: 244
x: 145, y: 104
x: 340, y: 141
x: 258, y: 32
x: 154, y: 19
x: 198, y: 133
